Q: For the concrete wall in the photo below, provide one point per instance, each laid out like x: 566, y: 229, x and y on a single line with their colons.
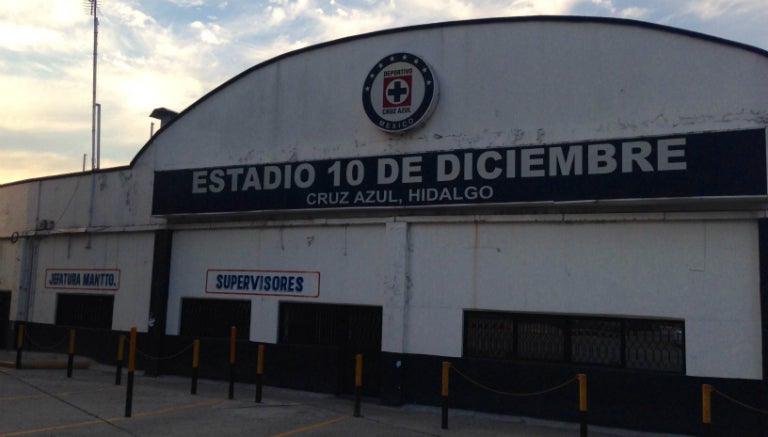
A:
x: 130, y: 253
x: 705, y: 273
x: 349, y: 259
x: 425, y: 273
x: 10, y: 272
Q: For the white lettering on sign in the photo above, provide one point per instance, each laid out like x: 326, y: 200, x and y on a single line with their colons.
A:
x: 83, y: 279
x: 263, y: 282
x: 270, y: 177
x: 663, y: 155
x: 696, y: 165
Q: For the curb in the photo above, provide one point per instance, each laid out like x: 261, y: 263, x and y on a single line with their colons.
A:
x: 44, y: 364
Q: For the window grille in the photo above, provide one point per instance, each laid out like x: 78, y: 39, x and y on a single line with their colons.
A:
x: 596, y: 341
x: 655, y: 345
x: 642, y: 344
x: 489, y: 335
x: 541, y: 339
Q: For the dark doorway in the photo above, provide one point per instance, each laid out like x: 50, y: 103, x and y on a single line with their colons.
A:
x: 352, y: 329
x: 215, y: 317
x: 85, y: 310
x: 5, y: 318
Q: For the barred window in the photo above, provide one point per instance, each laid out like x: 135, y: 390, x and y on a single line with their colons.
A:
x: 541, y: 339
x: 643, y: 344
x: 493, y: 336
x: 654, y: 346
x: 596, y: 341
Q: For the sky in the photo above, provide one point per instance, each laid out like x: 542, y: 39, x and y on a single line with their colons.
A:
x: 170, y: 53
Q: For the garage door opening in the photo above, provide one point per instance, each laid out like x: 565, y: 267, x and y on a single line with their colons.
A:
x: 351, y: 329
x: 5, y: 317
x: 215, y: 317
x: 85, y: 310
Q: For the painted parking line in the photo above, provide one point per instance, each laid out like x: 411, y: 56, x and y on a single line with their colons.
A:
x: 308, y: 427
x: 61, y: 394
x: 112, y: 420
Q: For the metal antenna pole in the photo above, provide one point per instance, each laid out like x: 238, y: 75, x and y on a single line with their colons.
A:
x: 94, y: 10
x: 94, y: 154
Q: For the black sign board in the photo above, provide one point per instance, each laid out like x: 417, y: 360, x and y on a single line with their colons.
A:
x: 719, y: 164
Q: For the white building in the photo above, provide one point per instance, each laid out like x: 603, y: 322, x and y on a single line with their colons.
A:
x: 525, y: 197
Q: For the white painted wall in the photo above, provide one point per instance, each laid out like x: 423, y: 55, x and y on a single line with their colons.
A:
x: 17, y: 208
x: 130, y: 253
x: 10, y: 269
x: 348, y: 258
x: 705, y: 273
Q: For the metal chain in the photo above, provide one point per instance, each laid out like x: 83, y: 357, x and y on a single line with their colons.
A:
x: 737, y: 402
x: 39, y: 346
x: 168, y: 357
x: 536, y: 393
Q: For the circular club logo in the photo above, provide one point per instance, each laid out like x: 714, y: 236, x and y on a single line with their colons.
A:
x: 400, y: 93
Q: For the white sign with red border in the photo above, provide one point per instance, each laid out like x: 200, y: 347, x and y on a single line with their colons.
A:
x: 289, y: 283
x: 83, y: 279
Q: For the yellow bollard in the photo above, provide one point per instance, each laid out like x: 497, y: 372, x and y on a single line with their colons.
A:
x: 232, y: 336
x: 120, y: 359
x: 71, y: 349
x: 260, y: 360
x: 358, y: 370
x: 444, y: 379
x: 706, y: 409
x: 19, y: 344
x: 71, y: 353
x: 706, y: 404
x: 358, y: 382
x: 583, y: 427
x: 582, y: 392
x: 195, y: 363
x: 195, y: 353
x: 132, y: 350
x: 259, y: 371
x: 446, y: 368
x: 131, y: 368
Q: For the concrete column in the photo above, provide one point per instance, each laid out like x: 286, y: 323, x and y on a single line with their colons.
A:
x: 26, y: 298
x: 158, y: 301
x: 394, y: 313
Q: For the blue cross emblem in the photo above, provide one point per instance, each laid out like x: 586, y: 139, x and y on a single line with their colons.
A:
x: 396, y: 91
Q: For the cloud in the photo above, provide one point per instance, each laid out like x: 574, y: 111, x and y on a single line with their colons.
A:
x: 210, y: 33
x: 187, y: 3
x: 43, y: 14
x: 125, y: 14
x: 633, y: 12
x: 40, y: 29
x: 142, y: 65
x: 30, y: 103
x: 19, y: 165
x: 283, y: 25
x: 710, y: 9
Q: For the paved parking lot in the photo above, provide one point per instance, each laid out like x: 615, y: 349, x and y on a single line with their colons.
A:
x: 43, y: 401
